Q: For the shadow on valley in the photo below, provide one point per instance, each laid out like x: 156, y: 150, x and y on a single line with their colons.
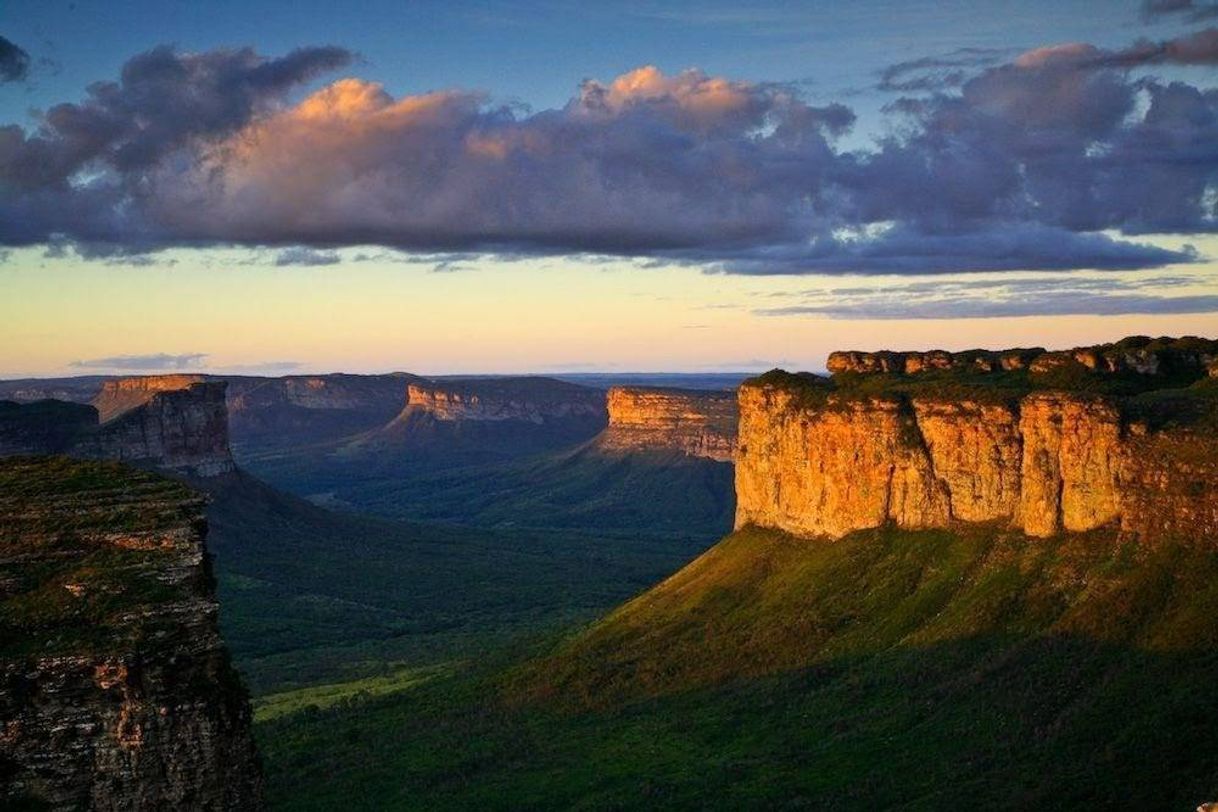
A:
x: 892, y: 668
x: 311, y: 595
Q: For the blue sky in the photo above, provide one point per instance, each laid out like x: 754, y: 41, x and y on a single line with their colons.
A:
x: 528, y: 186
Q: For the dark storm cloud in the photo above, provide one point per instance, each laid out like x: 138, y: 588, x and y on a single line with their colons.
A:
x: 303, y: 255
x: 155, y: 361
x: 1049, y: 161
x: 14, y: 62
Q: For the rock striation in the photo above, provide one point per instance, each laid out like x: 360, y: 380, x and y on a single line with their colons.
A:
x: 116, y: 691
x: 696, y: 423
x: 183, y: 430
x: 827, y: 463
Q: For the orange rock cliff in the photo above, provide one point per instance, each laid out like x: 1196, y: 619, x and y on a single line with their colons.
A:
x: 695, y: 423
x: 823, y: 461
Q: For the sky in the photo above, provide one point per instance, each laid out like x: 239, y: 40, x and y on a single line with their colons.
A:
x: 545, y: 186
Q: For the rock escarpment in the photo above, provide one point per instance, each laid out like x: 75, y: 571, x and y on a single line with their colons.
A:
x: 692, y: 422
x: 826, y: 463
x: 124, y: 394
x: 184, y: 430
x: 1138, y: 354
x: 116, y: 691
x: 530, y: 400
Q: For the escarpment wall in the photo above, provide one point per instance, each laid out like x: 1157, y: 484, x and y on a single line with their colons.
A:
x: 695, y: 423
x: 532, y: 400
x: 116, y: 691
x: 1050, y: 462
x: 183, y: 430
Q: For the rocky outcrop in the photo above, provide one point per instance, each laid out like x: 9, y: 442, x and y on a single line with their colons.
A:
x: 531, y: 400
x: 1141, y: 355
x: 116, y: 691
x: 183, y: 430
x: 124, y: 394
x: 1049, y: 462
x: 692, y: 422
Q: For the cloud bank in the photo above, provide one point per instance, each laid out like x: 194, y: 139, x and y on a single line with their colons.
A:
x: 1054, y: 160
x: 1012, y: 297
x: 144, y: 363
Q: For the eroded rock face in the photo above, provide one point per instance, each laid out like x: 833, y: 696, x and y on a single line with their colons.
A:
x: 696, y: 423
x: 184, y: 430
x: 1051, y: 462
x: 118, y: 693
x: 119, y: 396
x: 828, y: 471
x: 1072, y: 455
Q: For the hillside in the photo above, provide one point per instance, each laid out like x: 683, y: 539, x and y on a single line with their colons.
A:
x: 313, y: 595
x: 925, y: 670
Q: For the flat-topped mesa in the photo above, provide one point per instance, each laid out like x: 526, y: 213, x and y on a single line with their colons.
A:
x: 527, y: 399
x: 183, y: 430
x: 826, y: 463
x: 1137, y: 354
x: 697, y: 423
x: 119, y: 396
x: 116, y: 691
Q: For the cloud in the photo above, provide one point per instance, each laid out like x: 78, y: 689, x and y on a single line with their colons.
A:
x: 303, y: 255
x: 938, y: 72
x: 1055, y: 160
x: 14, y: 62
x: 143, y: 363
x: 1153, y: 10
x: 1034, y: 296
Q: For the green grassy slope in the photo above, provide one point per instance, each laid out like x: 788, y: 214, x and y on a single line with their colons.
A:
x: 890, y: 669
x: 310, y: 595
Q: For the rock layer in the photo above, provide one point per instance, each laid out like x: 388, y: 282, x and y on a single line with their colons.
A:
x: 1044, y: 464
x: 695, y: 423
x: 116, y: 692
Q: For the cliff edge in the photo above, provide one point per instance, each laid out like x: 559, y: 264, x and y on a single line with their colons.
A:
x: 691, y: 422
x: 826, y: 459
x: 116, y: 691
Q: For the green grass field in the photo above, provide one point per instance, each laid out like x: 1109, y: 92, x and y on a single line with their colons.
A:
x: 919, y: 670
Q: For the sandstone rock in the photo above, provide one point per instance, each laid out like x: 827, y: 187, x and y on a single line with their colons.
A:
x: 1054, y: 462
x: 696, y: 423
x: 1071, y: 454
x: 846, y: 466
x: 183, y: 430
x: 119, y: 396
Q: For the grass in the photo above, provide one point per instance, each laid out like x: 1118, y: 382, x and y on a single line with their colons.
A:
x: 82, y: 552
x: 311, y: 596
x: 923, y: 670
x: 321, y: 697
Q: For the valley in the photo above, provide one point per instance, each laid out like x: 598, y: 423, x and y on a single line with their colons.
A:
x: 968, y: 568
